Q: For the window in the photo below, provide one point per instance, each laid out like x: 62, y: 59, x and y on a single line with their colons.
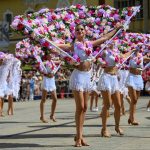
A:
x: 8, y: 17
x: 29, y: 11
x: 148, y: 9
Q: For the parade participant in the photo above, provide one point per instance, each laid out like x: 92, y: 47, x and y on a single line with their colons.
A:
x: 13, y: 82
x: 147, y: 88
x: 135, y: 82
x: 48, y: 85
x: 80, y: 80
x: 123, y: 74
x: 94, y: 92
x: 2, y: 82
x: 109, y: 86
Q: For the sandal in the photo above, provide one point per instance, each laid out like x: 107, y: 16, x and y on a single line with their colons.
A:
x: 43, y: 120
x: 53, y: 118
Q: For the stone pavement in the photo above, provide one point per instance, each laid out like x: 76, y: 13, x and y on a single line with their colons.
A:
x: 24, y: 131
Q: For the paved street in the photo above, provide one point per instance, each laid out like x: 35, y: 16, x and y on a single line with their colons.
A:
x: 24, y: 131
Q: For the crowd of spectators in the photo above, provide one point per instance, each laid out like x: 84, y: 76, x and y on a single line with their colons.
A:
x: 31, y: 85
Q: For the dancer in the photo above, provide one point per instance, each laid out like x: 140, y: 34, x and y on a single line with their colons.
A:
x: 135, y: 82
x: 80, y: 80
x: 109, y: 87
x: 94, y: 92
x: 123, y: 74
x: 48, y: 85
x: 147, y: 88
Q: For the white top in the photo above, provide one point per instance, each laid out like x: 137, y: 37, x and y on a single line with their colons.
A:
x: 80, y: 50
x: 110, y: 58
x: 134, y: 64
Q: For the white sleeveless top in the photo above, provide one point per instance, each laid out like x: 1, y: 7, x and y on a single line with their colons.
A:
x: 110, y: 58
x: 134, y: 63
x: 83, y: 50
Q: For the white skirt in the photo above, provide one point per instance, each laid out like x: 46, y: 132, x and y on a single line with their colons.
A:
x: 80, y: 80
x: 147, y: 86
x: 48, y: 84
x: 108, y: 82
x: 2, y: 91
x: 123, y: 74
x: 94, y: 87
x: 135, y: 81
x: 9, y: 89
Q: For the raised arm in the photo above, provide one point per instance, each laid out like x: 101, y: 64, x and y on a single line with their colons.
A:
x: 65, y: 46
x: 106, y: 36
x: 146, y: 59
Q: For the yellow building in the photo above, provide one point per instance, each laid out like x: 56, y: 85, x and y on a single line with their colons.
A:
x: 11, y: 8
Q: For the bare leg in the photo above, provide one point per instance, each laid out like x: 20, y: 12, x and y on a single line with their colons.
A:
x: 128, y: 99
x: 53, y: 106
x: 117, y: 105
x: 1, y: 107
x: 79, y: 100
x: 122, y: 105
x: 106, y: 101
x: 86, y: 95
x: 148, y: 105
x: 10, y: 110
x: 91, y: 101
x: 42, y: 103
x: 134, y: 95
x: 96, y: 100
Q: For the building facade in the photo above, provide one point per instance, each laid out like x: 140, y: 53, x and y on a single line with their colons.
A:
x: 10, y: 8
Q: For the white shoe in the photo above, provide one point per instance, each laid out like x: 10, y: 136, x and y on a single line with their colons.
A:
x: 95, y: 109
x: 148, y: 109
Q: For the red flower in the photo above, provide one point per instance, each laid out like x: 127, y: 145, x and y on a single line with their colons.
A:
x: 53, y: 17
x: 78, y: 59
x: 88, y: 52
x: 67, y: 58
x: 116, y: 59
x: 138, y: 62
x: 78, y: 6
x: 129, y: 13
x: 77, y: 21
x: 30, y: 21
x: 20, y: 27
x: 52, y: 67
x: 45, y: 44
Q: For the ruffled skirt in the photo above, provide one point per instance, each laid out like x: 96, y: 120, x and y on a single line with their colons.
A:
x: 135, y: 81
x: 49, y: 84
x: 80, y: 80
x: 123, y: 74
x: 3, y: 90
x: 108, y: 82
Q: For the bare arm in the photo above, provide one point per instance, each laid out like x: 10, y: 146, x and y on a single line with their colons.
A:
x: 126, y: 54
x: 146, y: 59
x: 65, y: 46
x: 104, y: 38
x: 107, y: 36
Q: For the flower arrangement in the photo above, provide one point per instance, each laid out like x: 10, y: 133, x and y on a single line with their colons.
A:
x: 60, y: 24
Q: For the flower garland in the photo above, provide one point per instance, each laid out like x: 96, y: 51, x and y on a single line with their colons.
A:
x: 137, y: 58
x: 60, y: 24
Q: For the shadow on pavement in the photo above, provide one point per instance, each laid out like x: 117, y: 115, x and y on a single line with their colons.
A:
x: 21, y: 145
